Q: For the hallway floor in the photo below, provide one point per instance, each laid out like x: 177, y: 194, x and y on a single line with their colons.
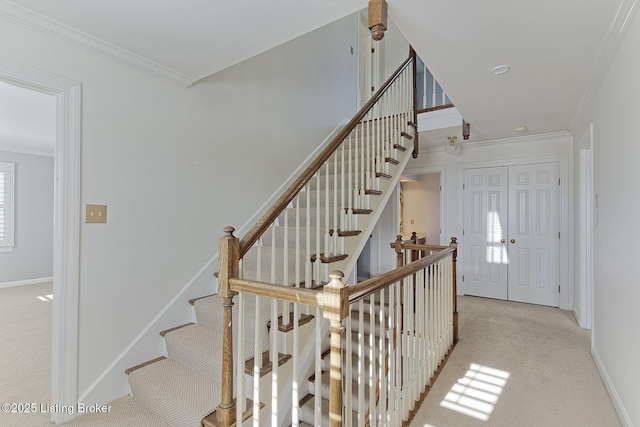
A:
x: 518, y: 365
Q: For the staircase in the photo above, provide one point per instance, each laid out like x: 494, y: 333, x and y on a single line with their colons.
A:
x: 268, y: 348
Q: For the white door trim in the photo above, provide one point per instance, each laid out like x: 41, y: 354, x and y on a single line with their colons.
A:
x: 66, y: 230
x: 566, y: 241
x: 585, y: 216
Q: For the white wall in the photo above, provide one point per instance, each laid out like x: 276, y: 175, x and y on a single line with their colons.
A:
x: 422, y: 205
x: 32, y: 257
x: 614, y: 111
x: 531, y: 149
x: 175, y: 166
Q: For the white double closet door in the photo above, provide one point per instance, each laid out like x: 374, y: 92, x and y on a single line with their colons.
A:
x: 512, y: 233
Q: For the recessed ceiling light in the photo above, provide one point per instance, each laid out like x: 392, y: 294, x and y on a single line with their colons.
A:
x: 520, y: 129
x: 500, y: 69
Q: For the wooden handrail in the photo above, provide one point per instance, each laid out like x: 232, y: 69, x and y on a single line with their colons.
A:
x: 280, y: 205
x: 373, y: 285
x: 310, y: 297
x: 417, y: 247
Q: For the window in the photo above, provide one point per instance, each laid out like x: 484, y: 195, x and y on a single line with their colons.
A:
x: 6, y: 206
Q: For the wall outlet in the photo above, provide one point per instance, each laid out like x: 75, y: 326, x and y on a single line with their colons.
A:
x: 95, y: 214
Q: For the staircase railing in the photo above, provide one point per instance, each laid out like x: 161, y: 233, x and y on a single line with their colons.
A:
x: 284, y: 258
x: 431, y: 96
x: 403, y: 325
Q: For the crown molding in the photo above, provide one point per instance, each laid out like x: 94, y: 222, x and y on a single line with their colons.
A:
x: 54, y: 29
x: 612, y: 40
x: 542, y: 137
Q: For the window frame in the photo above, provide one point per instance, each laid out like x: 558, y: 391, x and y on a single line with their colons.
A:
x: 8, y: 242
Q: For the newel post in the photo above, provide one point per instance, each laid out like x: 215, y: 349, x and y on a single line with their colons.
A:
x: 228, y: 261
x: 454, y: 244
x: 336, y: 301
x: 399, y: 252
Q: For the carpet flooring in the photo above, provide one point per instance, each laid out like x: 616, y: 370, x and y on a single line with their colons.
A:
x: 518, y: 365
x: 26, y: 314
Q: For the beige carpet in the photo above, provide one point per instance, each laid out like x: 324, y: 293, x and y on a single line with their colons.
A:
x: 25, y: 352
x: 518, y: 365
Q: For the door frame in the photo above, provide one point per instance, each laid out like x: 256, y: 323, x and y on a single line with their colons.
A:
x: 584, y: 305
x: 66, y: 228
x: 566, y: 207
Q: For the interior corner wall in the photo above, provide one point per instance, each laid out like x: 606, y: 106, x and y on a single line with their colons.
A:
x: 174, y: 166
x: 396, y: 48
x: 32, y: 257
x: 614, y: 111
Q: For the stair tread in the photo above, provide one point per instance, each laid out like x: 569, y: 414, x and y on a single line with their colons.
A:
x: 123, y: 412
x: 307, y: 414
x: 176, y: 394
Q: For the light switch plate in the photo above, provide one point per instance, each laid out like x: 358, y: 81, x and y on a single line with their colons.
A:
x: 96, y: 214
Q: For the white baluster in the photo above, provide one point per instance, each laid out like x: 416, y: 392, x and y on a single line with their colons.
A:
x: 361, y: 367
x: 318, y: 397
x: 257, y: 363
x: 373, y: 377
x: 241, y: 401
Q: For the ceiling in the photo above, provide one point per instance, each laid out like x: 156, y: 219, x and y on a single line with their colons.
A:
x: 553, y: 47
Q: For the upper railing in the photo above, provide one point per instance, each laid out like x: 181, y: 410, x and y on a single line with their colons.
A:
x: 431, y: 96
x: 396, y: 104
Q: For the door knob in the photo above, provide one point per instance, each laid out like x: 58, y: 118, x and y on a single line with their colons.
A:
x: 502, y: 240
x: 513, y: 240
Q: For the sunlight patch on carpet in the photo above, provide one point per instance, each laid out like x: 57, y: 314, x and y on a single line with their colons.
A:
x: 477, y: 393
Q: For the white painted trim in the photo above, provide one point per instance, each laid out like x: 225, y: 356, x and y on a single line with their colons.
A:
x: 43, y: 25
x: 66, y: 239
x: 547, y: 137
x: 239, y: 232
x: 26, y: 282
x: 625, y: 420
x: 439, y: 119
x: 565, y: 172
x: 612, y: 40
x: 23, y: 150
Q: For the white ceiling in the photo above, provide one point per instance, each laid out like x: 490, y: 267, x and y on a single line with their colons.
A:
x: 553, y: 47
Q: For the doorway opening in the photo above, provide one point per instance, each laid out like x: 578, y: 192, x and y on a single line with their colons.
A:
x: 66, y: 227
x: 27, y: 142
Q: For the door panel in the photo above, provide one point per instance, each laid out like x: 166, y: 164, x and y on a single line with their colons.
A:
x: 485, y: 216
x: 520, y: 204
x: 534, y: 196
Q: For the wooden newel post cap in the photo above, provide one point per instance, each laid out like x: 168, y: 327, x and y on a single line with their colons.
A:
x: 336, y: 276
x: 454, y: 240
x: 399, y: 238
x: 228, y: 231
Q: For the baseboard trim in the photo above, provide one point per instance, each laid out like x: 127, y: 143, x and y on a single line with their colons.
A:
x: 26, y: 282
x: 615, y: 398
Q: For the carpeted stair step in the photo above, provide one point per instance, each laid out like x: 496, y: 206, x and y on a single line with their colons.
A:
x: 209, y: 313
x: 325, y: 364
x: 198, y: 347
x: 178, y: 395
x: 325, y: 388
x: 123, y: 412
x: 307, y: 415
